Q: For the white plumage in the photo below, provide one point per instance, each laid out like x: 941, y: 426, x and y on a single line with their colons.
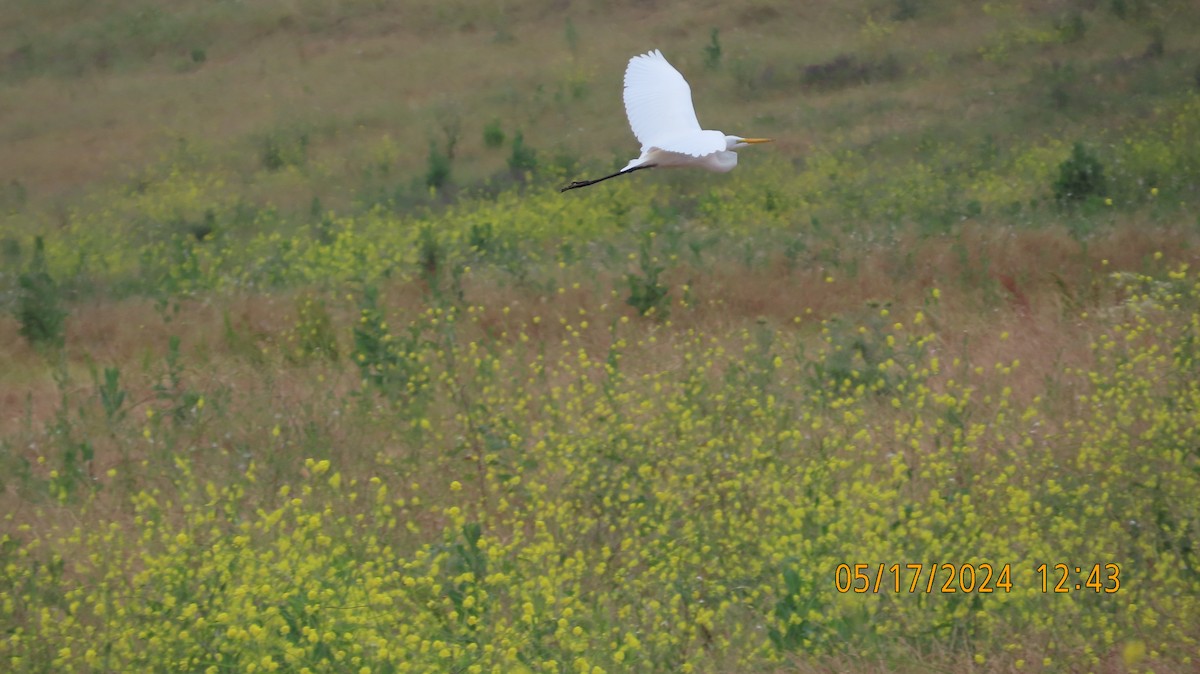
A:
x: 658, y: 102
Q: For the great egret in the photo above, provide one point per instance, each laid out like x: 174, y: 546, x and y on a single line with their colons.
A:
x: 658, y: 102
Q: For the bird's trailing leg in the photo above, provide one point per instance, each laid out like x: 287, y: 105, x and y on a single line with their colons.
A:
x: 585, y: 183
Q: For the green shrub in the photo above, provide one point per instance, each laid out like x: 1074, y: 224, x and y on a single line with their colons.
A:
x: 493, y: 135
x: 646, y: 293
x: 1079, y: 176
x: 39, y: 303
x: 523, y: 158
x: 390, y: 362
x: 1071, y: 27
x: 112, y: 396
x: 437, y: 172
x: 431, y: 255
x: 280, y: 149
x: 712, y: 51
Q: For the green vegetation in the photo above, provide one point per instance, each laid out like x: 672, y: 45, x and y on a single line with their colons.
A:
x: 1080, y: 176
x: 438, y: 172
x: 301, y: 377
x: 523, y: 158
x: 712, y: 51
x: 39, y: 307
x: 493, y: 134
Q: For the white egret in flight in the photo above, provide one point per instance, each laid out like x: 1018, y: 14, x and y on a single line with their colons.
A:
x: 658, y: 102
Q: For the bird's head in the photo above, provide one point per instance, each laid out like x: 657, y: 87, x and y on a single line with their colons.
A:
x: 737, y: 142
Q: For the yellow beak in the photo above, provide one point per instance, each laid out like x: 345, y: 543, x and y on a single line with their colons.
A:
x: 757, y: 140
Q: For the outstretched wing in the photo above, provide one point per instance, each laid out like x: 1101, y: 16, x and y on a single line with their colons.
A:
x: 658, y: 102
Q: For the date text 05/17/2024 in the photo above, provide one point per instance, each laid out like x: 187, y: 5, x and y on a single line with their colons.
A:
x: 983, y: 578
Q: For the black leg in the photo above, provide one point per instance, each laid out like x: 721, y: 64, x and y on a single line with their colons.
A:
x: 585, y: 183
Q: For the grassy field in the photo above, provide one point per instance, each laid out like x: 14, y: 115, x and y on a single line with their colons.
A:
x: 307, y: 366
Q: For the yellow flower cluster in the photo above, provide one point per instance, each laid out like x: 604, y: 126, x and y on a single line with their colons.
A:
x: 561, y: 510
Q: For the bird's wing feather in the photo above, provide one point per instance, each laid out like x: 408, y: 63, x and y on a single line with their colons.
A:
x: 694, y: 143
x: 658, y: 102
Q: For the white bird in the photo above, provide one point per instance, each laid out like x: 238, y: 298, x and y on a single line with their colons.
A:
x: 658, y: 102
